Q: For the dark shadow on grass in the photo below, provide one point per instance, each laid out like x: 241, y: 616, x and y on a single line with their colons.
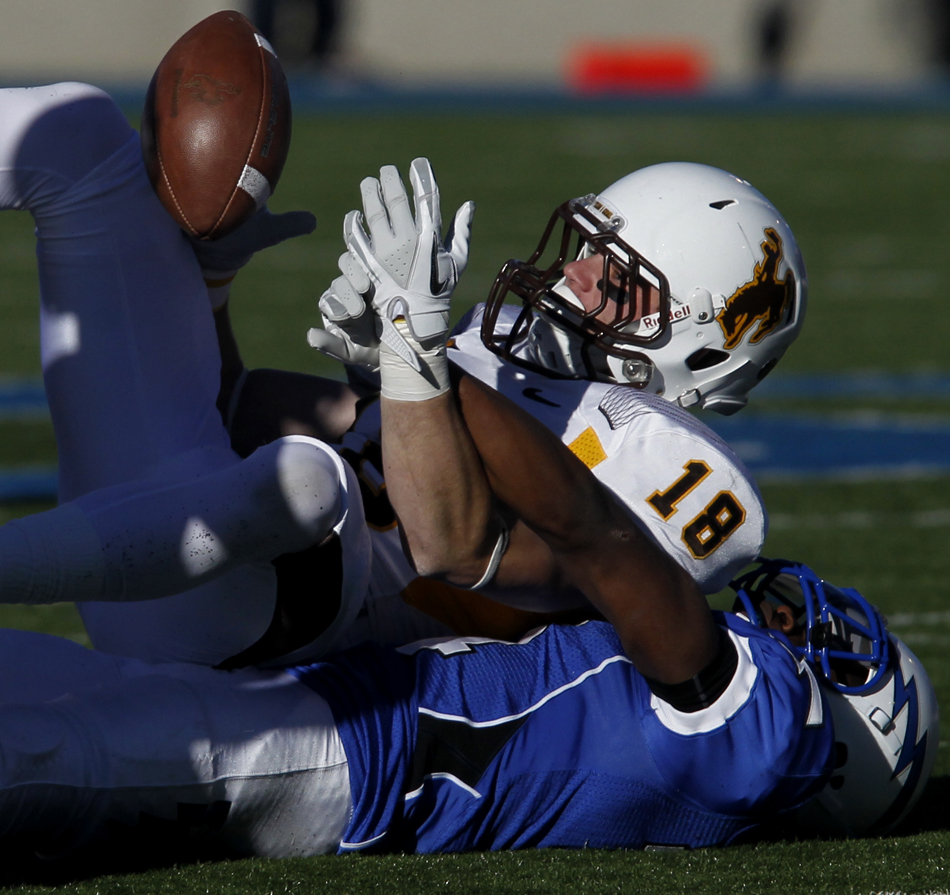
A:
x: 159, y: 848
x: 930, y: 814
x: 124, y: 854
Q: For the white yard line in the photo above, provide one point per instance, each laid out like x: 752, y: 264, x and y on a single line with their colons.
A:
x: 860, y: 520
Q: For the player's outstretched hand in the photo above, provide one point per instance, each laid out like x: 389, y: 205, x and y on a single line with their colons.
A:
x: 223, y: 258
x: 350, y: 328
x: 413, y: 271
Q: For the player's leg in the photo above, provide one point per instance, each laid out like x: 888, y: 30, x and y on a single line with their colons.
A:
x: 131, y: 367
x: 250, y: 760
x: 130, y: 357
x: 153, y: 539
x: 293, y: 609
x: 39, y: 667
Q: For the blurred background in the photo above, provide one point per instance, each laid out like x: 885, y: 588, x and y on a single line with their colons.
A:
x: 616, y: 45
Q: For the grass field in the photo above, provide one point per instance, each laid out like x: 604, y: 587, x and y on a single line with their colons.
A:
x: 868, y: 197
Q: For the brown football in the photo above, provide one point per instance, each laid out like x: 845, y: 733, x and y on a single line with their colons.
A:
x: 216, y: 125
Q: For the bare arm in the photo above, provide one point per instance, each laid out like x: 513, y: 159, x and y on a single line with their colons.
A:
x: 446, y: 464
x: 438, y: 488
x: 661, y: 616
x: 442, y: 469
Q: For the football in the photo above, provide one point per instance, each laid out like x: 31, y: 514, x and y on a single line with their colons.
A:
x: 216, y: 125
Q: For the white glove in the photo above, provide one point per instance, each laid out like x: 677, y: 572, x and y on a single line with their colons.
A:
x: 412, y: 272
x: 350, y: 328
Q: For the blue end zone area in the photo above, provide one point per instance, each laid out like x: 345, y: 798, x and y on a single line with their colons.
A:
x: 27, y: 484
x: 870, y: 384
x: 22, y: 398
x: 860, y: 445
x: 778, y: 447
x: 774, y: 446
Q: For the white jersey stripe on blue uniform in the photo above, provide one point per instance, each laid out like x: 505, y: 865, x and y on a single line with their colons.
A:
x: 552, y: 695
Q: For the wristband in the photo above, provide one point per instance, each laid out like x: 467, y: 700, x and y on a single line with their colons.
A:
x: 501, y: 545
x: 401, y: 382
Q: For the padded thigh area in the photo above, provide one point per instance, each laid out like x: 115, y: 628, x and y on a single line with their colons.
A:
x: 52, y: 137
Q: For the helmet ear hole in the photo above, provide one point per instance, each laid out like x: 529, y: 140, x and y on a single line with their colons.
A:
x: 768, y: 368
x: 706, y: 358
x: 841, y: 754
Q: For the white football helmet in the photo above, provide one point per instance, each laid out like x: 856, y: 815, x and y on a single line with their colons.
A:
x: 882, y: 703
x: 727, y: 270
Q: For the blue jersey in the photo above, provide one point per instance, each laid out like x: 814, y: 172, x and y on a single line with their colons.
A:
x: 472, y: 744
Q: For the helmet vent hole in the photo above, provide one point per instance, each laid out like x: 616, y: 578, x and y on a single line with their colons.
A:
x: 836, y: 782
x: 722, y: 203
x: 706, y: 358
x: 841, y: 755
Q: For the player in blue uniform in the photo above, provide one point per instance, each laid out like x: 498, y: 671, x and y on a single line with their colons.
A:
x: 559, y: 742
x: 670, y: 725
x: 178, y: 551
x: 454, y: 745
x: 154, y: 502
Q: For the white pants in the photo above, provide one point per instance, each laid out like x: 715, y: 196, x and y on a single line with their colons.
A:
x: 154, y: 502
x: 250, y: 760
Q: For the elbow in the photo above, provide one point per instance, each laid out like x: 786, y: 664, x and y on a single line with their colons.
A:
x: 431, y: 563
x: 459, y: 571
x: 455, y: 561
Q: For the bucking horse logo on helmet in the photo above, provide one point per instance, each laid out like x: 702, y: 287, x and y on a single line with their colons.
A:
x: 764, y: 300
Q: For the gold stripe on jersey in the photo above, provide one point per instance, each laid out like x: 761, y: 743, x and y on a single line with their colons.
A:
x: 588, y: 449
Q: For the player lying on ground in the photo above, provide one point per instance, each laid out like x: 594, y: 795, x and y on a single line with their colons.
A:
x: 156, y: 504
x: 691, y: 730
x: 115, y: 277
x: 467, y: 446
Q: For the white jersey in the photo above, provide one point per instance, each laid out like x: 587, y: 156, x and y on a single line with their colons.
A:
x: 684, y: 485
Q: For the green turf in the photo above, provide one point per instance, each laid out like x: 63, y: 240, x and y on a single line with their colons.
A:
x: 904, y: 864
x: 867, y: 196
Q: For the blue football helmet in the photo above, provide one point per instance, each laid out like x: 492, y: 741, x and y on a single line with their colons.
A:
x: 881, y: 700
